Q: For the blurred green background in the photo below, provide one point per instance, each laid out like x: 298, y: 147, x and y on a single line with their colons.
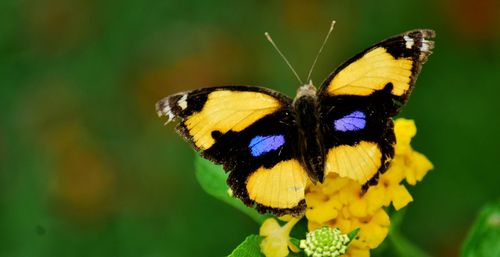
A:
x: 88, y: 169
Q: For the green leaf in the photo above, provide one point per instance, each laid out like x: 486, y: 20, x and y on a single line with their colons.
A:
x: 300, y: 229
x: 353, y: 234
x: 212, y: 179
x: 249, y: 248
x: 484, y: 238
x: 295, y: 242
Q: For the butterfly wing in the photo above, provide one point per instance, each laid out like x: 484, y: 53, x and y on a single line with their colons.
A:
x: 251, y: 132
x: 359, y: 99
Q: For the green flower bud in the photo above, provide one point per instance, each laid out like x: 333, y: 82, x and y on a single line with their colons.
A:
x: 325, y: 242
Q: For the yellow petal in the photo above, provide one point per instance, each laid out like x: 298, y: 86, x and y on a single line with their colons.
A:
x: 269, y: 227
x: 404, y: 130
x: 381, y: 218
x: 314, y: 199
x: 324, y: 212
x: 375, y: 230
x: 276, y: 238
x: 313, y: 225
x: 400, y: 197
x: 357, y: 252
x: 376, y: 234
x: 376, y: 197
x: 345, y: 225
x: 396, y: 171
x: 349, y: 193
x: 418, y: 168
x: 358, y: 208
x: 333, y: 184
x: 274, y: 247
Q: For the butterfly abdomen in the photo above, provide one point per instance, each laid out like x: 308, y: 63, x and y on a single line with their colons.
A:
x: 310, y: 139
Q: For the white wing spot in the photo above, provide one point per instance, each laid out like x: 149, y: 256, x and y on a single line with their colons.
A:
x: 425, y: 45
x: 183, y: 102
x: 409, y: 42
x: 168, y: 112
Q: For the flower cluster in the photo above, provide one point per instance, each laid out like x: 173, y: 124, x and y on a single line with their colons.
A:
x: 340, y: 202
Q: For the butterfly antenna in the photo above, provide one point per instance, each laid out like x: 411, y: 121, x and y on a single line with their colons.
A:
x: 320, y: 50
x: 283, y: 56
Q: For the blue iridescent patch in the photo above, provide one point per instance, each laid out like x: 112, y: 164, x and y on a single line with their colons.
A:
x: 351, y: 122
x: 260, y: 145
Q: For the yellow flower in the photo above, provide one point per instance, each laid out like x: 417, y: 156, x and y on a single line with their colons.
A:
x: 340, y: 203
x: 276, y: 238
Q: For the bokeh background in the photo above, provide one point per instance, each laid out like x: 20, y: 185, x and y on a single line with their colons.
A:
x: 88, y: 169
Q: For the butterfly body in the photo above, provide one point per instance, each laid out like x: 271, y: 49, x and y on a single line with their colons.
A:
x: 272, y: 145
x: 310, y: 144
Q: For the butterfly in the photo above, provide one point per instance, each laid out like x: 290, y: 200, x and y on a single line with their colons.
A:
x: 271, y: 144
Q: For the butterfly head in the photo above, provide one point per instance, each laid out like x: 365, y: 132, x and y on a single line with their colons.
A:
x: 306, y: 90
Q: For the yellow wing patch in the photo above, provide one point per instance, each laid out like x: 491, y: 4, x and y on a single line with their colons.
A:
x: 281, y: 186
x: 372, y: 72
x: 227, y: 110
x: 359, y: 162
